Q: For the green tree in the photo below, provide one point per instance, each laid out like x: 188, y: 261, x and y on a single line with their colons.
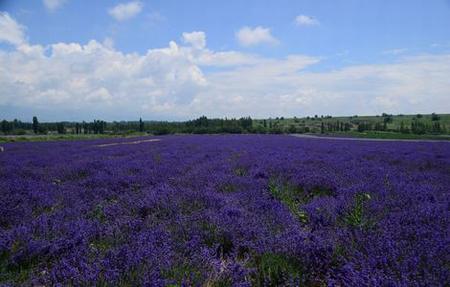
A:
x: 436, y: 128
x: 434, y: 117
x: 60, y: 128
x: 141, y: 125
x: 418, y: 127
x: 403, y: 128
x: 292, y: 129
x: 387, y: 118
x: 85, y: 127
x: 35, y: 125
x: 6, y: 127
x: 246, y: 123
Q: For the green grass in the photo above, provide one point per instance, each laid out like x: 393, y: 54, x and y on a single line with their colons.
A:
x: 291, y: 196
x: 295, y: 196
x: 357, y: 216
x: 98, y: 213
x: 63, y: 137
x: 19, y: 272
x: 388, y: 135
x: 273, y: 269
x: 314, y: 125
x: 213, y: 237
x: 227, y: 187
x: 183, y: 274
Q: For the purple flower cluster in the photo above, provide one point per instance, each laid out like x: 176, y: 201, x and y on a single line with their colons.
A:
x: 229, y: 210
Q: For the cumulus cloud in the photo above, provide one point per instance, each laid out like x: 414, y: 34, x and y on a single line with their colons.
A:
x: 125, y: 11
x: 182, y: 81
x: 10, y: 31
x: 248, y: 36
x: 285, y: 87
x: 53, y: 5
x: 94, y: 74
x: 197, y: 39
x: 304, y: 20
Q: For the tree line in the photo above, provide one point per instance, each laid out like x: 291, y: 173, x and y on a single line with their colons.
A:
x: 416, y: 126
x: 204, y: 125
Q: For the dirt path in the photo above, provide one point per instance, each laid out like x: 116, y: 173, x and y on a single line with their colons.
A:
x: 122, y: 143
x: 364, y: 139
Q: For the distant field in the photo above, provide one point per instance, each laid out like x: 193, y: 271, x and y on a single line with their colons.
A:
x: 375, y: 137
x: 224, y: 210
x: 384, y: 126
x: 390, y: 135
x: 314, y: 124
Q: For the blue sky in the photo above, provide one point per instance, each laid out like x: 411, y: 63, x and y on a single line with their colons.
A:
x: 236, y: 58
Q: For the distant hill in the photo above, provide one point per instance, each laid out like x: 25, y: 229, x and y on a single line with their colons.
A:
x: 405, y: 124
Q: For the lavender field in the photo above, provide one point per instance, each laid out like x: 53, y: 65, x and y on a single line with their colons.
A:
x: 230, y: 210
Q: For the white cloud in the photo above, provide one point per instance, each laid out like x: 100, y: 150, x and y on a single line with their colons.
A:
x: 225, y: 59
x: 197, y: 39
x: 108, y: 42
x: 10, y: 31
x: 248, y: 36
x: 91, y: 75
x: 275, y: 87
x: 52, y: 5
x: 125, y: 11
x: 304, y: 20
x: 182, y: 81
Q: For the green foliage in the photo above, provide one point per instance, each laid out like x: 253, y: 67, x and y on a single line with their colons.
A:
x: 203, y: 125
x: 403, y: 128
x: 131, y: 277
x: 240, y: 171
x: 14, y: 274
x: 141, y: 125
x: 397, y: 125
x: 274, y: 269
x: 103, y: 244
x: 436, y: 128
x: 289, y: 195
x: 183, y: 274
x: 6, y: 127
x: 60, y: 128
x: 227, y: 187
x: 219, y: 282
x: 98, y: 213
x: 292, y: 129
x: 35, y: 125
x: 215, y: 238
x: 357, y: 217
x: 364, y: 126
x: 19, y: 271
x: 294, y: 196
x: 435, y: 117
x: 397, y: 135
x: 387, y: 118
x: 418, y: 127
